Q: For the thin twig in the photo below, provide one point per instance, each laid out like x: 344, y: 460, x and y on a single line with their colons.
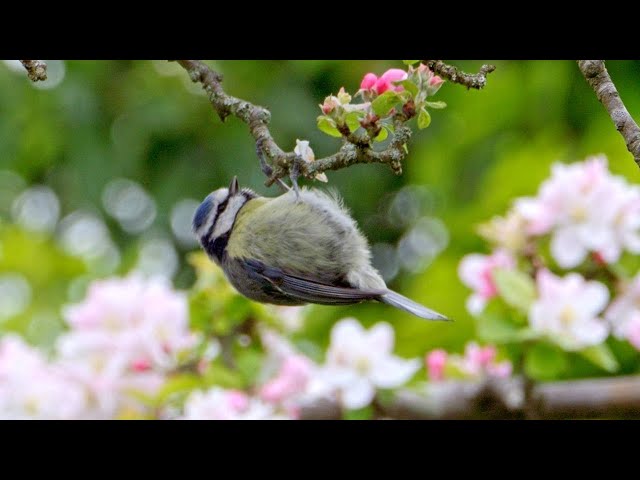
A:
x: 36, y: 69
x: 451, y: 73
x: 598, y: 78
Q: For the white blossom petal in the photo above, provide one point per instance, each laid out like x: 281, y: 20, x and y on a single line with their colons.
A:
x: 475, y: 304
x: 381, y: 338
x: 566, y: 249
x: 594, y: 298
x: 358, y: 394
x: 393, y: 372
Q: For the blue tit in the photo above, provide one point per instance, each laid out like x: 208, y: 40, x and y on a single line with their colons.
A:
x: 293, y: 249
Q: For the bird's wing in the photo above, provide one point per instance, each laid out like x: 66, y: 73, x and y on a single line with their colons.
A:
x: 309, y: 289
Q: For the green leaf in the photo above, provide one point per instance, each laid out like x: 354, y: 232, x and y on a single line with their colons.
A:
x: 424, y: 119
x: 409, y: 86
x: 385, y: 397
x: 436, y: 105
x: 382, y: 136
x: 178, y: 385
x: 498, y: 327
x: 310, y: 349
x: 385, y: 102
x: 602, y: 356
x: 516, y: 288
x: 365, y: 413
x: 410, y: 62
x: 353, y: 120
x: 248, y: 364
x: 328, y: 126
x: 218, y: 374
x: 544, y: 361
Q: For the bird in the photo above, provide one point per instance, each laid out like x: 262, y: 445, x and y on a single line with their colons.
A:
x: 300, y: 247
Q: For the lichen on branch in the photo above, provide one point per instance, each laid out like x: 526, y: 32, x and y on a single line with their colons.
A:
x: 451, y: 73
x: 36, y: 69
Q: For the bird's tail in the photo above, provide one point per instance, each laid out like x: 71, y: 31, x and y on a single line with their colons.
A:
x: 403, y: 303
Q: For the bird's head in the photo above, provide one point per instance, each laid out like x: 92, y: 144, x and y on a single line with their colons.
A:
x: 217, y: 213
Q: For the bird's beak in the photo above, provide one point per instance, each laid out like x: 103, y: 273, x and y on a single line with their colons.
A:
x: 233, y: 188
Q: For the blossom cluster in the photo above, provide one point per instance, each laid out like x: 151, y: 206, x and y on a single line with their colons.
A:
x: 122, y: 340
x: 396, y: 91
x: 476, y: 363
x: 575, y: 295
x: 358, y: 362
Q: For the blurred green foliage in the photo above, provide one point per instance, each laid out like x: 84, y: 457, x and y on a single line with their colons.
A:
x: 145, y: 120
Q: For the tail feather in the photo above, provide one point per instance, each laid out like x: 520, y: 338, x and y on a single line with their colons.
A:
x: 403, y: 303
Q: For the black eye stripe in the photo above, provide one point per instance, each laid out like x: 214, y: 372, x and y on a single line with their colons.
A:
x: 221, y: 207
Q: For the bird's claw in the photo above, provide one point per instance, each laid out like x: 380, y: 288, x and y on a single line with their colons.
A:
x: 266, y: 168
x: 295, y: 173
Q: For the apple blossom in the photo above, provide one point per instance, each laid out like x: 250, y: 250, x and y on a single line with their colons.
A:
x: 506, y: 232
x: 476, y: 272
x: 585, y: 209
x: 219, y: 404
x: 292, y: 379
x: 32, y: 388
x: 623, y: 313
x: 125, y: 335
x: 144, y: 319
x: 359, y: 361
x: 633, y: 330
x: 567, y: 310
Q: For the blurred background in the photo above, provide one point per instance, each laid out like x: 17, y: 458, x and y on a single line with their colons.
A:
x: 103, y: 164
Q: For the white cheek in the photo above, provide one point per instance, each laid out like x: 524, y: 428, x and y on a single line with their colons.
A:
x: 228, y: 216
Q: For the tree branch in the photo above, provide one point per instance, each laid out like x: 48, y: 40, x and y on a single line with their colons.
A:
x: 598, y: 78
x: 355, y: 148
x: 36, y: 69
x: 617, y: 397
x: 451, y: 73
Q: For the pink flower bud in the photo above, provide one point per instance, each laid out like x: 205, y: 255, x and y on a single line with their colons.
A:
x: 384, y: 83
x: 436, y: 361
x: 330, y: 103
x: 140, y: 365
x: 435, y: 81
x: 368, y: 81
x: 422, y: 68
